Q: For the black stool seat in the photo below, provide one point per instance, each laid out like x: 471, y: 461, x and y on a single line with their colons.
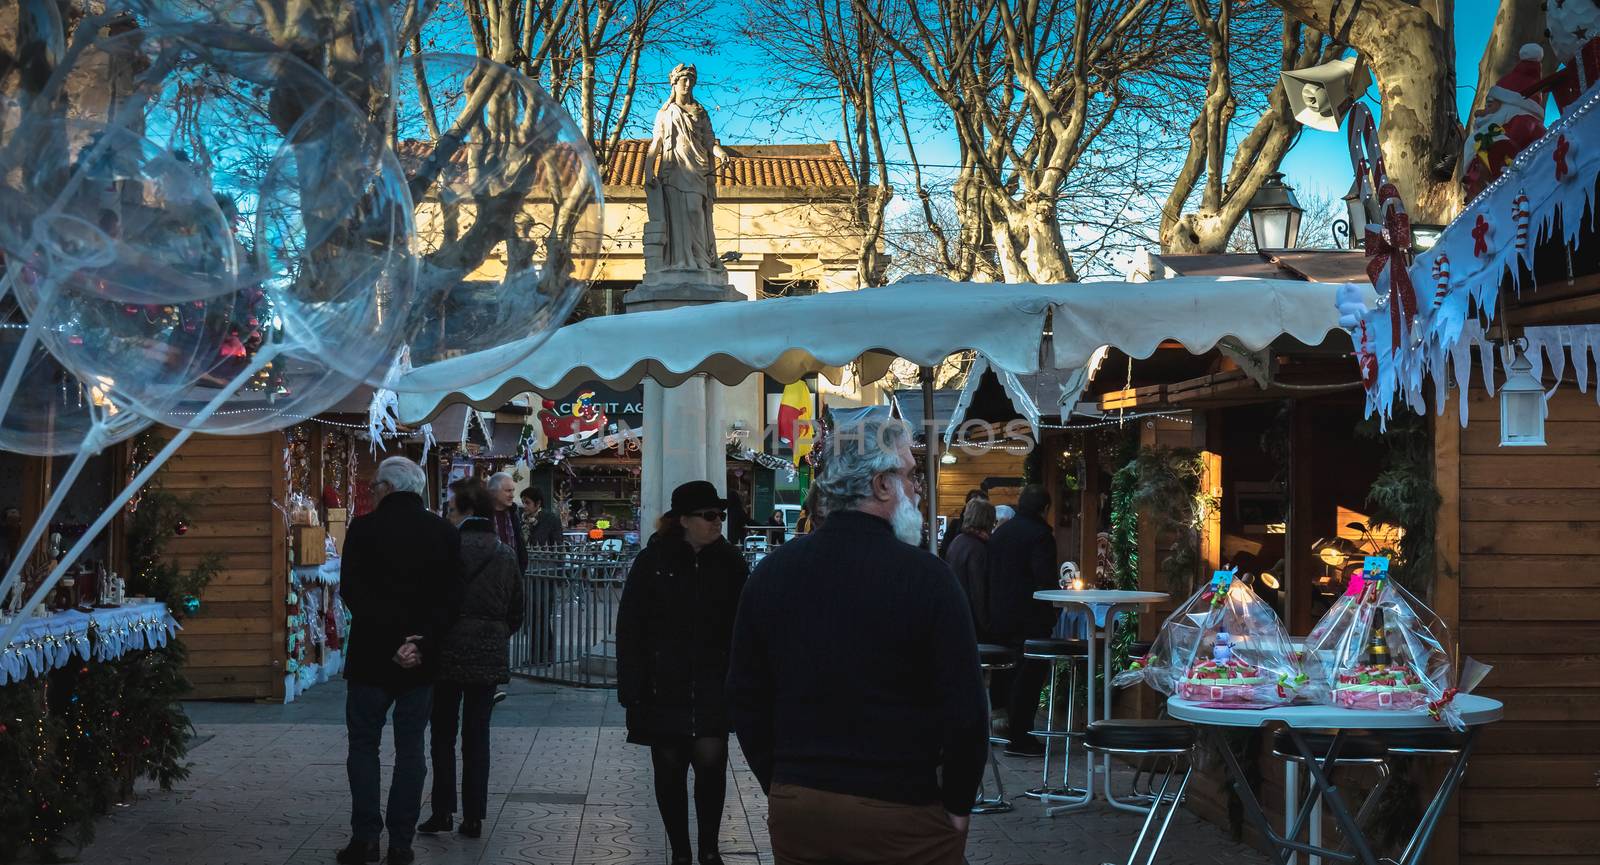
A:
x: 1135, y: 734
x: 1357, y: 746
x: 991, y: 655
x: 1056, y: 648
x: 1443, y: 739
x: 1138, y: 649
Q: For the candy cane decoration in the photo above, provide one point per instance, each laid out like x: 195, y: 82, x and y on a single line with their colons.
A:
x: 1521, y: 216
x: 1441, y: 278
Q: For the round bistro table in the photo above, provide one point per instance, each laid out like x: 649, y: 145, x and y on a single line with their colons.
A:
x: 1475, y: 713
x: 1103, y: 606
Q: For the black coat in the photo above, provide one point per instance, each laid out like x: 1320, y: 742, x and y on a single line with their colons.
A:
x: 674, y: 629
x: 544, y: 530
x: 518, y: 542
x: 400, y: 576
x: 855, y: 669
x: 477, y: 646
x: 1022, y: 560
x: 969, y: 561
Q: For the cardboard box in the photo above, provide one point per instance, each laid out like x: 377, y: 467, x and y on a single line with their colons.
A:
x: 336, y: 531
x: 308, y: 545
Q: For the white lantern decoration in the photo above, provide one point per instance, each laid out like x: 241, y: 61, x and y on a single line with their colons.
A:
x: 1522, y: 408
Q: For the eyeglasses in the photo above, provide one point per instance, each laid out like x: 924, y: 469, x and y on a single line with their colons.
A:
x: 709, y: 516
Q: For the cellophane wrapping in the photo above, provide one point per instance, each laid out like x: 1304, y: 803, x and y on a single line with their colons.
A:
x: 1255, y: 666
x: 1419, y: 673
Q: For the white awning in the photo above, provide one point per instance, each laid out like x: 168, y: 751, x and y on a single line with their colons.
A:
x: 923, y: 320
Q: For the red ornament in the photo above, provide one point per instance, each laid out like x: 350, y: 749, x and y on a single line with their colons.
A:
x: 1480, y: 236
x: 3, y: 729
x: 1390, y: 247
x: 181, y: 528
x: 330, y: 497
x: 115, y: 713
x: 1559, y: 154
x: 231, y: 346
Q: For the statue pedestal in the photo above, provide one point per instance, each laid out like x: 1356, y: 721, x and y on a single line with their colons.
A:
x: 679, y: 288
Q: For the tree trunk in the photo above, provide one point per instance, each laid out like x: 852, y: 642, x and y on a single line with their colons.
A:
x: 1409, y: 52
x: 1028, y: 241
x: 1515, y: 26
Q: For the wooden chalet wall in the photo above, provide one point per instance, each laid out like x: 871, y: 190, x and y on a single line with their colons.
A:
x: 237, y: 642
x: 1519, y: 545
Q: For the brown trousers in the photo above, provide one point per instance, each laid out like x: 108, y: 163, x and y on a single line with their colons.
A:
x: 813, y: 827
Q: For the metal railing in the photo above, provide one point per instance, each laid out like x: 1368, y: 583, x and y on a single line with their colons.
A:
x: 569, y: 627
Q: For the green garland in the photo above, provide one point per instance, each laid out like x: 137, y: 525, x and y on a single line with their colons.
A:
x: 74, y: 742
x: 1405, y: 495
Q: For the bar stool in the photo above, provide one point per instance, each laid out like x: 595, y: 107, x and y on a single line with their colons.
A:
x: 992, y: 658
x: 1360, y: 749
x: 1057, y: 652
x: 1171, y: 741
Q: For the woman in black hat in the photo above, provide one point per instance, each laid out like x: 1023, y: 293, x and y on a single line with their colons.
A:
x: 674, y: 629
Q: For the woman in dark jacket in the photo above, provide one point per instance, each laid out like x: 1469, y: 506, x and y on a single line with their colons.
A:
x: 674, y: 630
x: 968, y: 557
x: 474, y: 657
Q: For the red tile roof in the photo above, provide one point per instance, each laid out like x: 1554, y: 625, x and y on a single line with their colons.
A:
x: 794, y: 166
x: 751, y: 165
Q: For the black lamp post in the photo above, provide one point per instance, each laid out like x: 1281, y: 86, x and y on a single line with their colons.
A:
x: 1275, y: 215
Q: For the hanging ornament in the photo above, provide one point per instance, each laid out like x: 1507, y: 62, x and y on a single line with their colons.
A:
x: 1480, y: 236
x: 231, y: 346
x: 191, y: 604
x: 181, y: 528
x: 1560, y: 154
x: 1520, y: 217
x: 1441, y: 278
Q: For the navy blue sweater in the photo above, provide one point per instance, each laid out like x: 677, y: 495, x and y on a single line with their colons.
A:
x: 855, y: 670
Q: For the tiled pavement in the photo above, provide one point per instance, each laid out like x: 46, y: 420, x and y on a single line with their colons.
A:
x: 268, y: 788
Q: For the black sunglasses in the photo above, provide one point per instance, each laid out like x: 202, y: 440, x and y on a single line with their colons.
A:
x: 709, y: 516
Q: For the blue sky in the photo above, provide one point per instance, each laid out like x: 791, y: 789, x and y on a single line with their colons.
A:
x: 732, y: 85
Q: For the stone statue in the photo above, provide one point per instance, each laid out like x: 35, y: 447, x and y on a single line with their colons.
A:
x: 680, y: 188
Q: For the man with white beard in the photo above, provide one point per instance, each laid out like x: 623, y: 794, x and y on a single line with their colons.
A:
x: 854, y: 683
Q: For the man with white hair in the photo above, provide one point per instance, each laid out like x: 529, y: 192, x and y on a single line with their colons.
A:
x: 507, y: 516
x: 400, y: 579
x: 854, y: 683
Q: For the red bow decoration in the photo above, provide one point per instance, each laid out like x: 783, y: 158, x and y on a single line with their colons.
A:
x: 1437, y: 706
x: 1391, y: 248
x: 1563, y: 146
x: 1480, y: 236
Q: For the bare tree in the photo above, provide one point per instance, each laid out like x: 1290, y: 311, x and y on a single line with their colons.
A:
x: 822, y: 50
x: 1224, y: 195
x: 1033, y: 88
x: 1409, y: 46
x: 587, y: 53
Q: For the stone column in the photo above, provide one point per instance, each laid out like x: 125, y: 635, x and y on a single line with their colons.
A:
x: 684, y: 430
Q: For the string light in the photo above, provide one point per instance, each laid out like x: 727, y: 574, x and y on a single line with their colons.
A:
x: 1118, y: 421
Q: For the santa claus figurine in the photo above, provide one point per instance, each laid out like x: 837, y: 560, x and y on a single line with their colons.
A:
x: 1512, y: 118
x: 1574, y: 31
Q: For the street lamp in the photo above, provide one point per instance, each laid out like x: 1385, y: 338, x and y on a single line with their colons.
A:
x: 1347, y: 232
x: 1275, y: 215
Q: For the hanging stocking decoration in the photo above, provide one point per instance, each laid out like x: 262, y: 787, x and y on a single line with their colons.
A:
x: 1441, y: 278
x: 1520, y: 217
x: 1367, y: 360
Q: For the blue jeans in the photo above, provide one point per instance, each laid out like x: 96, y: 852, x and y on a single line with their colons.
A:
x: 366, y: 708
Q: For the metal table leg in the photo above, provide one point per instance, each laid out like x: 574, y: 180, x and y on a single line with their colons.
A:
x: 1417, y: 847
x: 1319, y: 773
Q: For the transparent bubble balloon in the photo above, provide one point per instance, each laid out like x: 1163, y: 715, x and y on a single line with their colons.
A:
x: 354, y: 42
x: 53, y: 411
x: 508, y: 221
x: 320, y: 206
x: 131, y: 220
x: 32, y: 41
